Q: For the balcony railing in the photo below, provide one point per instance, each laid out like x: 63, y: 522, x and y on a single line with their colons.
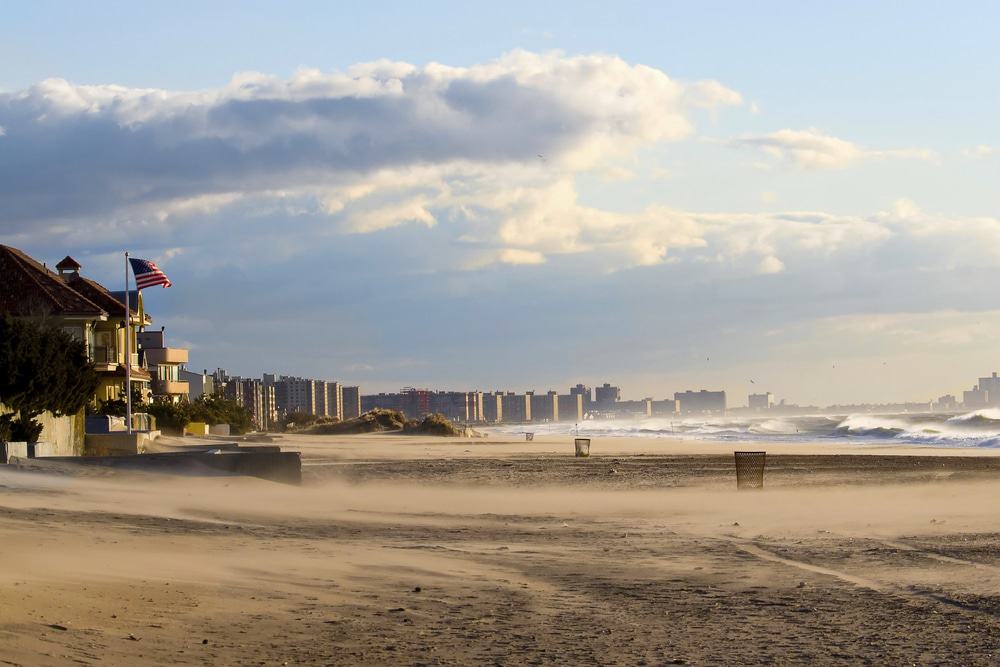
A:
x: 102, y: 354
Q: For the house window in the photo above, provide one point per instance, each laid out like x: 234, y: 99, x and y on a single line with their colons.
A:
x: 76, y: 333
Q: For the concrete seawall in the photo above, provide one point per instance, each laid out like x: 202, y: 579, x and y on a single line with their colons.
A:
x: 276, y: 466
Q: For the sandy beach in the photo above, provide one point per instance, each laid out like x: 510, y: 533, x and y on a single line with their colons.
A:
x: 425, y: 551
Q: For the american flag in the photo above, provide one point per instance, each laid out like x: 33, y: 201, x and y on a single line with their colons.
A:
x: 147, y: 273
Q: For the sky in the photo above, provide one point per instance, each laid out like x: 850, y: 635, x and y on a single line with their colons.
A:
x: 760, y: 196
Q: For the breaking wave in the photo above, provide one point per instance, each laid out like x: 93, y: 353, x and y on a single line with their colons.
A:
x: 980, y: 428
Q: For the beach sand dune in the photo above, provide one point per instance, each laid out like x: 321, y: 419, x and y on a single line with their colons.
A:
x: 420, y: 551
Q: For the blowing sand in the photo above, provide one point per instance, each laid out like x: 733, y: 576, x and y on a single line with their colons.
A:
x: 405, y: 550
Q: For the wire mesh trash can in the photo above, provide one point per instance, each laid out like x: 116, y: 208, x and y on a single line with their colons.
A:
x: 750, y: 469
x: 529, y: 436
x: 582, y: 447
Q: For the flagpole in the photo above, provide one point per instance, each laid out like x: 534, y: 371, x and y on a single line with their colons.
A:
x: 128, y: 356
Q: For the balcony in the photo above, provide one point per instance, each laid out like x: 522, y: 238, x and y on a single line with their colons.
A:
x: 160, y: 356
x: 169, y: 387
x: 104, y: 358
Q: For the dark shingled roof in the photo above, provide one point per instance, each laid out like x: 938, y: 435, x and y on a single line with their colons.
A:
x: 28, y: 289
x: 100, y: 295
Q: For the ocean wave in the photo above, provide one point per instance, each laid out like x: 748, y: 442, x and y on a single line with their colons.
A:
x: 980, y: 428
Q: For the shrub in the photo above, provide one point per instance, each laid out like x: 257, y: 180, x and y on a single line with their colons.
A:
x: 435, y: 424
x: 42, y: 368
x: 170, y: 415
x: 379, y: 419
x: 372, y: 421
x: 112, y: 408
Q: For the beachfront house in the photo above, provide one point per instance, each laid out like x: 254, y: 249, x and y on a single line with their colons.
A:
x: 107, y: 350
x: 95, y: 315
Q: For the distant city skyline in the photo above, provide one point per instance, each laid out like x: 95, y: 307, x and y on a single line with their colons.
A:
x: 801, y: 200
x: 983, y: 393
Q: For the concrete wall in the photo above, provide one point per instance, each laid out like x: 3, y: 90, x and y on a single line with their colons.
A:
x: 118, y: 444
x: 10, y: 450
x: 63, y: 435
x: 264, y: 462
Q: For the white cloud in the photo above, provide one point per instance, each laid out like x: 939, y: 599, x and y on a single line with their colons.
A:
x: 104, y: 149
x: 769, y: 264
x: 905, y: 208
x: 449, y: 152
x: 518, y: 256
x: 615, y: 174
x: 980, y: 151
x: 815, y: 149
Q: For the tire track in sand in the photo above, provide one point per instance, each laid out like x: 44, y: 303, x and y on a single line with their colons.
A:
x: 907, y: 592
x: 902, y: 546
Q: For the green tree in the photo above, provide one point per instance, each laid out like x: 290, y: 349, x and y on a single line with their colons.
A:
x: 208, y: 409
x: 169, y: 414
x: 42, y: 368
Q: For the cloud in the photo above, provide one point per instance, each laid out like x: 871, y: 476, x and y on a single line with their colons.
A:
x: 917, y: 330
x: 272, y: 169
x: 905, y: 208
x: 980, y: 151
x: 615, y: 174
x: 517, y: 256
x: 716, y: 282
x: 73, y: 151
x: 815, y: 149
x: 769, y: 264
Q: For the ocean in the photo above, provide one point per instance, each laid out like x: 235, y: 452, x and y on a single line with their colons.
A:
x: 980, y: 428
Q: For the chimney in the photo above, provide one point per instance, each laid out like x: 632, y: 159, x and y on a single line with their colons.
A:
x: 68, y: 268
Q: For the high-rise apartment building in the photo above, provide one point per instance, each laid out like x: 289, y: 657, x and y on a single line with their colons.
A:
x: 606, y: 396
x: 295, y: 394
x: 493, y: 407
x: 352, y: 402
x: 516, y: 408
x: 334, y: 392
x: 763, y: 401
x: 695, y: 402
x: 570, y: 407
x: 584, y: 392
x: 544, y: 407
x: 668, y: 407
x: 256, y: 397
x: 475, y: 402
